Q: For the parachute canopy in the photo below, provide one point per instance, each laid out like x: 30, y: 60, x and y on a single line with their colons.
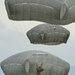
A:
x: 34, y: 63
x: 48, y: 34
x: 59, y: 12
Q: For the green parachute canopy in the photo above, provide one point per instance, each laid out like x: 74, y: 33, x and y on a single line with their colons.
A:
x: 34, y: 63
x: 48, y: 34
x: 59, y: 12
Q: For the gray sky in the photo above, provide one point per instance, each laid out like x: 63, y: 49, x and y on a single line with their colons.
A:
x: 13, y: 38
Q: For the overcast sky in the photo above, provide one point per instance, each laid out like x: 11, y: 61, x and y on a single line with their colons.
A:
x: 13, y: 39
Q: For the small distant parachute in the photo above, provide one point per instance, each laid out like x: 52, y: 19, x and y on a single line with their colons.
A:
x: 48, y: 34
x: 58, y: 12
x: 34, y: 63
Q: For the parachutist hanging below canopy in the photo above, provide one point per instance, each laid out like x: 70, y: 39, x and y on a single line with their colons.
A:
x: 58, y: 12
x: 34, y: 63
x: 48, y: 34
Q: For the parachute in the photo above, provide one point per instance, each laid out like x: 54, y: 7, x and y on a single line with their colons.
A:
x: 55, y: 12
x: 48, y: 34
x: 58, y: 12
x: 34, y: 63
